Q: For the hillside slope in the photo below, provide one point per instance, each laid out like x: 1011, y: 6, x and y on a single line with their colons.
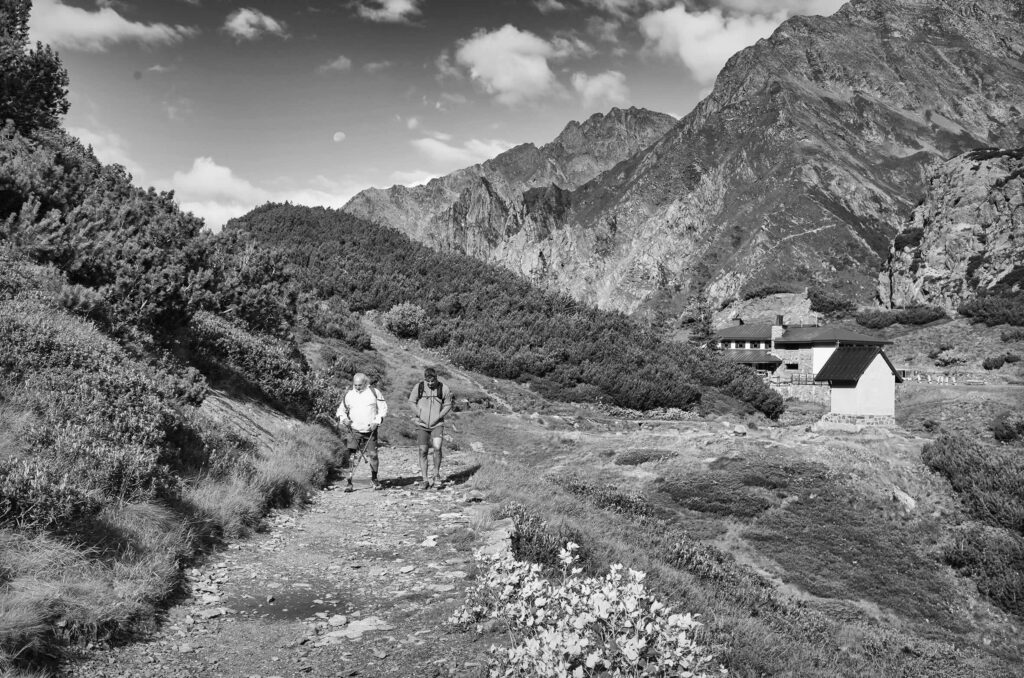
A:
x: 799, y: 166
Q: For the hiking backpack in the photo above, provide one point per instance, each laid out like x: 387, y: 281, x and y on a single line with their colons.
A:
x: 419, y: 390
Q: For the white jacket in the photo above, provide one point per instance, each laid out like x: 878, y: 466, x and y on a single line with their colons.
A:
x: 363, y: 409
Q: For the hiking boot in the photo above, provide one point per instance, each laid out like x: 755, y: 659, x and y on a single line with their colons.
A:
x: 425, y: 485
x: 377, y: 485
x: 348, y: 487
x: 438, y: 484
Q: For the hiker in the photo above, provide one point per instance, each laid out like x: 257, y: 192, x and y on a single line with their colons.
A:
x: 362, y: 410
x: 432, y: 401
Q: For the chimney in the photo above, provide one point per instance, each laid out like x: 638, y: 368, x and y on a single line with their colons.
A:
x: 778, y: 329
x: 739, y: 321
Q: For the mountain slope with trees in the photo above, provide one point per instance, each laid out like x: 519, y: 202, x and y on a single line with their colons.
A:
x: 492, y: 321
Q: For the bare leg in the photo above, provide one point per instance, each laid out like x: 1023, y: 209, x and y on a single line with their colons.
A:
x: 437, y: 461
x: 424, y: 461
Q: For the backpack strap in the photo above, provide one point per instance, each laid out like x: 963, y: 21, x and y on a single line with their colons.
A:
x: 422, y: 384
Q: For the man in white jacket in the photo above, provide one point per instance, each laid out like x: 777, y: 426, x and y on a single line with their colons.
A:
x: 361, y: 411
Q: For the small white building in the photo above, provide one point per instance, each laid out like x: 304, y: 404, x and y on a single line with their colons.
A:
x: 862, y: 383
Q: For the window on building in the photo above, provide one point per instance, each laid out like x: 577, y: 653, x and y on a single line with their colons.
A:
x: 792, y: 366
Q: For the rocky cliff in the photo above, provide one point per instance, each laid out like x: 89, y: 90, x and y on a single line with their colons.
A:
x: 477, y: 209
x: 813, y: 144
x: 967, y: 235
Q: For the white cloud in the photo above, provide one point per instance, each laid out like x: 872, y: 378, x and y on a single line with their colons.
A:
x: 251, y: 24
x: 109, y: 148
x: 547, y: 6
x: 704, y: 41
x: 454, y: 157
x: 604, y: 88
x: 603, y: 29
x: 342, y: 63
x: 412, y: 123
x: 413, y: 178
x: 158, y: 68
x: 178, y: 108
x: 61, y: 25
x: 445, y: 67
x: 377, y: 66
x: 392, y: 11
x: 571, y: 46
x: 339, y: 137
x: 623, y: 8
x: 788, y: 7
x: 216, y: 194
x: 509, y: 63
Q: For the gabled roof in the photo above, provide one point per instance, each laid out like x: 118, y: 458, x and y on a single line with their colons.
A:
x: 847, y: 363
x: 745, y: 333
x: 826, y: 335
x: 750, y: 356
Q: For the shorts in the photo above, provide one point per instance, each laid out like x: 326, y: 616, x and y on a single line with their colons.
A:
x: 426, y: 436
x: 353, y: 441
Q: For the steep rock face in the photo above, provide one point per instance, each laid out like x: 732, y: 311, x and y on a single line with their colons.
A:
x: 796, y: 167
x: 967, y: 235
x: 475, y: 209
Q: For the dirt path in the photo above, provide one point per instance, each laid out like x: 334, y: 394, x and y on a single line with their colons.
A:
x: 358, y: 584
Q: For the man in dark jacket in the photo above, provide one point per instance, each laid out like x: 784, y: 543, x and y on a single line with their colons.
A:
x: 432, y: 401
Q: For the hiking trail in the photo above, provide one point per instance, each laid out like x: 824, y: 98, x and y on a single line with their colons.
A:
x: 353, y: 584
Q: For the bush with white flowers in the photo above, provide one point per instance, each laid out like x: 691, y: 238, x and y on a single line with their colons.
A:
x: 581, y: 626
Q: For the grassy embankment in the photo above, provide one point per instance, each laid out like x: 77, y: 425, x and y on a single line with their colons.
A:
x: 112, y: 475
x: 793, y: 551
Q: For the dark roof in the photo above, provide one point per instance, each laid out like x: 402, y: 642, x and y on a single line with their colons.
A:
x: 745, y: 332
x: 829, y: 335
x: 847, y: 363
x: 750, y: 356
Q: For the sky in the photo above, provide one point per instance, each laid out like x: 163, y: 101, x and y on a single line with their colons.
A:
x: 233, y: 103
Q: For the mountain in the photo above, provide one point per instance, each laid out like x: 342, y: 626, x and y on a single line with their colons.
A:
x: 967, y: 235
x: 483, y: 208
x: 798, y: 168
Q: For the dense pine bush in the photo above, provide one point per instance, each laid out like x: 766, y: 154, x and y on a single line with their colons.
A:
x: 490, y: 320
x: 913, y: 315
x: 995, y: 309
x: 830, y: 302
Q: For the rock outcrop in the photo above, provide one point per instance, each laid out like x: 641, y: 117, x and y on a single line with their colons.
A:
x: 967, y: 235
x: 812, y: 145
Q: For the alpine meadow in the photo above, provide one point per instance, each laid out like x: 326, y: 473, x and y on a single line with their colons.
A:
x: 407, y: 338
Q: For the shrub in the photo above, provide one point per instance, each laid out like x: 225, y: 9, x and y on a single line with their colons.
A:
x: 909, y: 238
x: 950, y: 357
x: 830, y: 302
x: 767, y: 290
x: 607, y: 497
x: 1011, y: 358
x: 989, y: 481
x: 913, y: 315
x: 1013, y: 334
x: 259, y: 365
x: 534, y: 540
x: 995, y: 309
x: 581, y: 626
x: 994, y: 559
x: 404, y: 320
x: 32, y: 495
x: 1008, y: 427
x: 993, y: 362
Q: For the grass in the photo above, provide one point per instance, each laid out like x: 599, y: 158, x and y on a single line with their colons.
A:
x: 754, y: 628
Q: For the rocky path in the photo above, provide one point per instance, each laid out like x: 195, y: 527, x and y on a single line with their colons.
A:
x: 357, y: 584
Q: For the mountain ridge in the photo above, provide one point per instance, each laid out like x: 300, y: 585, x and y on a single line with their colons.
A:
x: 799, y: 166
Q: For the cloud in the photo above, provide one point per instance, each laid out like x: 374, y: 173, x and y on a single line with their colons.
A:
x: 571, y: 46
x: 413, y: 178
x: 342, y: 63
x: 377, y: 66
x: 704, y: 41
x: 61, y: 25
x: 787, y: 7
x: 109, y: 148
x: 509, y: 63
x: 177, y: 108
x: 454, y: 157
x: 412, y: 123
x: 389, y: 11
x: 158, y: 68
x: 604, y: 88
x: 216, y: 194
x: 252, y: 24
x: 624, y: 8
x: 548, y: 6
x: 606, y: 30
x: 339, y: 137
x: 445, y: 67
